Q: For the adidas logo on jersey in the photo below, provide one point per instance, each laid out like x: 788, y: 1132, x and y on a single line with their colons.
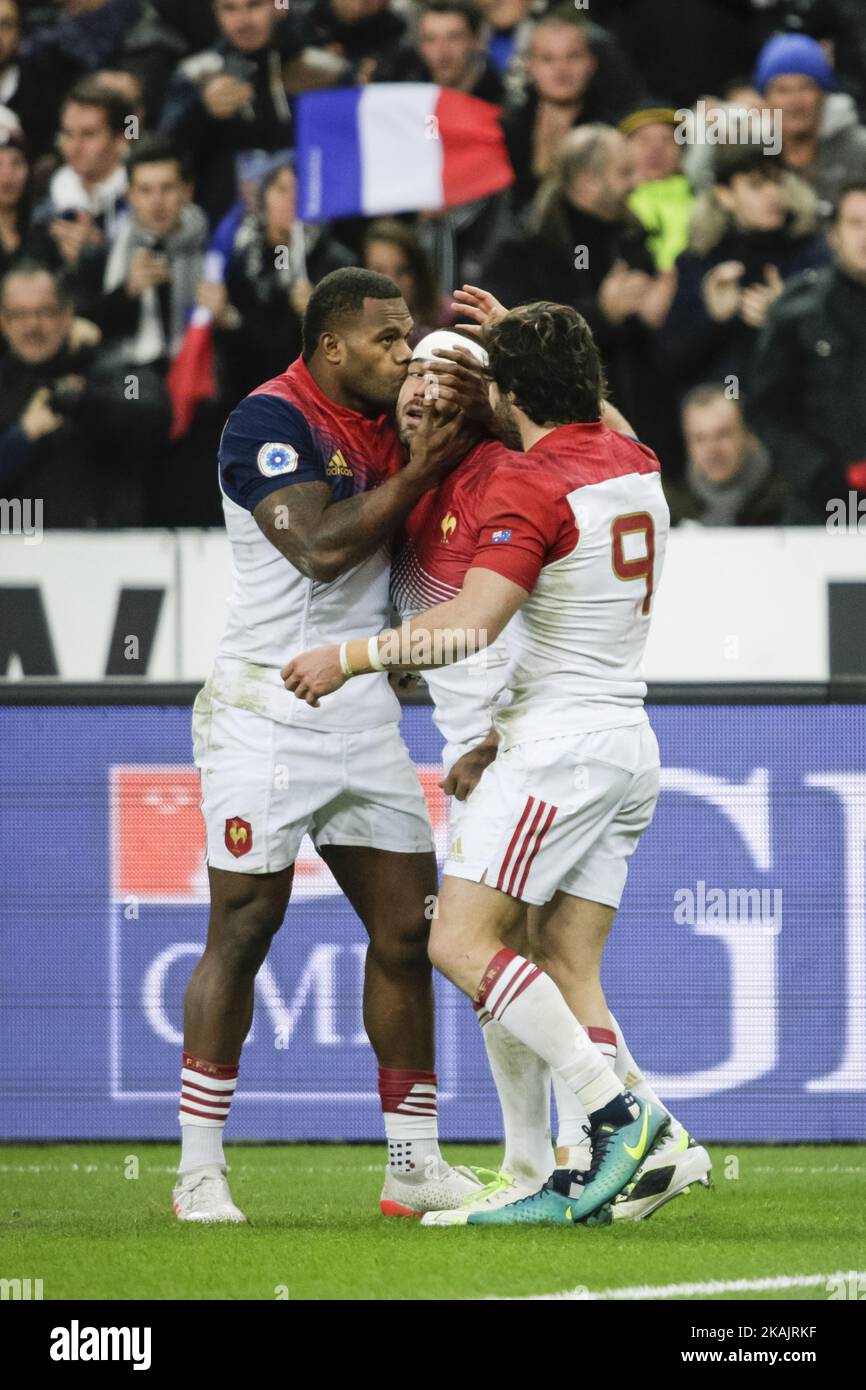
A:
x: 455, y: 850
x: 338, y: 467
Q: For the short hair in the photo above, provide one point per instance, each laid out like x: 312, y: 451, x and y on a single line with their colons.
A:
x: 466, y: 9
x: 745, y: 158
x: 849, y: 187
x: 562, y: 14
x: 158, y: 149
x: 26, y: 269
x: 89, y: 91
x: 583, y: 149
x: 707, y: 393
x: 546, y: 355
x: 340, y: 296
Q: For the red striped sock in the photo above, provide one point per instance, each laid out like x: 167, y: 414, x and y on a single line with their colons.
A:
x: 605, y: 1041
x: 409, y: 1109
x: 206, y: 1091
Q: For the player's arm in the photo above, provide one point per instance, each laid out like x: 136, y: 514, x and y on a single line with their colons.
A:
x: 444, y: 634
x: 269, y: 466
x: 518, y: 526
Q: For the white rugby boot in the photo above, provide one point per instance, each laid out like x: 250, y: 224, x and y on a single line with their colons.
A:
x: 415, y: 1194
x: 203, y: 1195
x: 668, y: 1171
x: 498, y: 1190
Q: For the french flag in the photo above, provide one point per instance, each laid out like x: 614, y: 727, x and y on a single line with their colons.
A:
x: 396, y: 147
x: 191, y: 378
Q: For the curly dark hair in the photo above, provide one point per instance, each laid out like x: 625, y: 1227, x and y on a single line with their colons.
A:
x: 546, y: 355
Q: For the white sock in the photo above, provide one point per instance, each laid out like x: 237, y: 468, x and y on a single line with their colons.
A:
x: 206, y: 1091
x: 573, y: 1146
x: 517, y: 993
x: 522, y: 1080
x: 411, y: 1127
x: 633, y: 1079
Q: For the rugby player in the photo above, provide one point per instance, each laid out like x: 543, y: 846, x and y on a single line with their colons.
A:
x: 313, y: 483
x: 571, y: 545
x: 440, y: 538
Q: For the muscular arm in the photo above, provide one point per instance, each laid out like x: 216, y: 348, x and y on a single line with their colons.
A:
x: 475, y: 618
x: 323, y: 538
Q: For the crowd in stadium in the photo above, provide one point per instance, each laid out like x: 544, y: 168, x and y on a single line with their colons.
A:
x: 725, y: 284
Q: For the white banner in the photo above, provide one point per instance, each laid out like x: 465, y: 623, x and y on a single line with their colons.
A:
x: 733, y: 605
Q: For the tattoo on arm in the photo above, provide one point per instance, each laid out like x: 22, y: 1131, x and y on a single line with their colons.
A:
x: 323, y: 538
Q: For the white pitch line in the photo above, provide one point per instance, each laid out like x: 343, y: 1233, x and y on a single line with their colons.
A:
x: 642, y: 1292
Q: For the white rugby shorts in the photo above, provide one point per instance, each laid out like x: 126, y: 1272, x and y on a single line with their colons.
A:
x: 265, y: 785
x: 558, y: 815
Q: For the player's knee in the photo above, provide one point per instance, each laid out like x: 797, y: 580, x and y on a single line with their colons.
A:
x: 243, y: 929
x: 401, y: 947
x: 440, y: 951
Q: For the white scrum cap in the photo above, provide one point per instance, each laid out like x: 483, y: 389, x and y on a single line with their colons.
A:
x: 432, y: 345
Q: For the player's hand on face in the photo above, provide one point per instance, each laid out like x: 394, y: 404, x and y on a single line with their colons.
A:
x: 466, y: 772
x: 313, y: 674
x: 435, y: 448
x: 482, y: 308
x: 461, y: 384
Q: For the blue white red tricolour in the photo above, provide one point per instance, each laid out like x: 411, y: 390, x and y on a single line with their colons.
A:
x: 396, y: 147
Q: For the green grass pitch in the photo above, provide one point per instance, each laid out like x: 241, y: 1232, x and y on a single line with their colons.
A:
x: 70, y: 1216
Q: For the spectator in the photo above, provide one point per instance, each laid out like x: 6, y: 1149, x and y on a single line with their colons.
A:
x: 20, y: 88
x: 392, y: 248
x: 729, y: 477
x: 685, y: 51
x: 754, y: 229
x: 842, y: 23
x: 822, y: 140
x: 739, y: 109
x: 65, y: 433
x: 140, y: 290
x: 14, y: 194
x: 450, y: 52
x: 567, y: 86
x: 274, y: 263
x: 807, y: 401
x: 586, y: 249
x: 508, y: 30
x: 92, y: 34
x: 87, y: 194
x: 231, y: 99
x: 367, y: 34
x: 662, y: 199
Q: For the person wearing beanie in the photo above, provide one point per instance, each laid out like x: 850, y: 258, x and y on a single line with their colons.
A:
x: 822, y: 139
x: 662, y: 199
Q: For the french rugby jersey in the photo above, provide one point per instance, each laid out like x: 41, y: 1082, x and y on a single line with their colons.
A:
x: 441, y: 538
x: 286, y: 432
x: 581, y: 524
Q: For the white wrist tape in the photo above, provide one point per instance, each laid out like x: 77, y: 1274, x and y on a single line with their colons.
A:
x: 344, y: 660
x: 373, y: 656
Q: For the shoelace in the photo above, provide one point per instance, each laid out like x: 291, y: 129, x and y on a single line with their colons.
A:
x: 495, y: 1182
x: 599, y: 1152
